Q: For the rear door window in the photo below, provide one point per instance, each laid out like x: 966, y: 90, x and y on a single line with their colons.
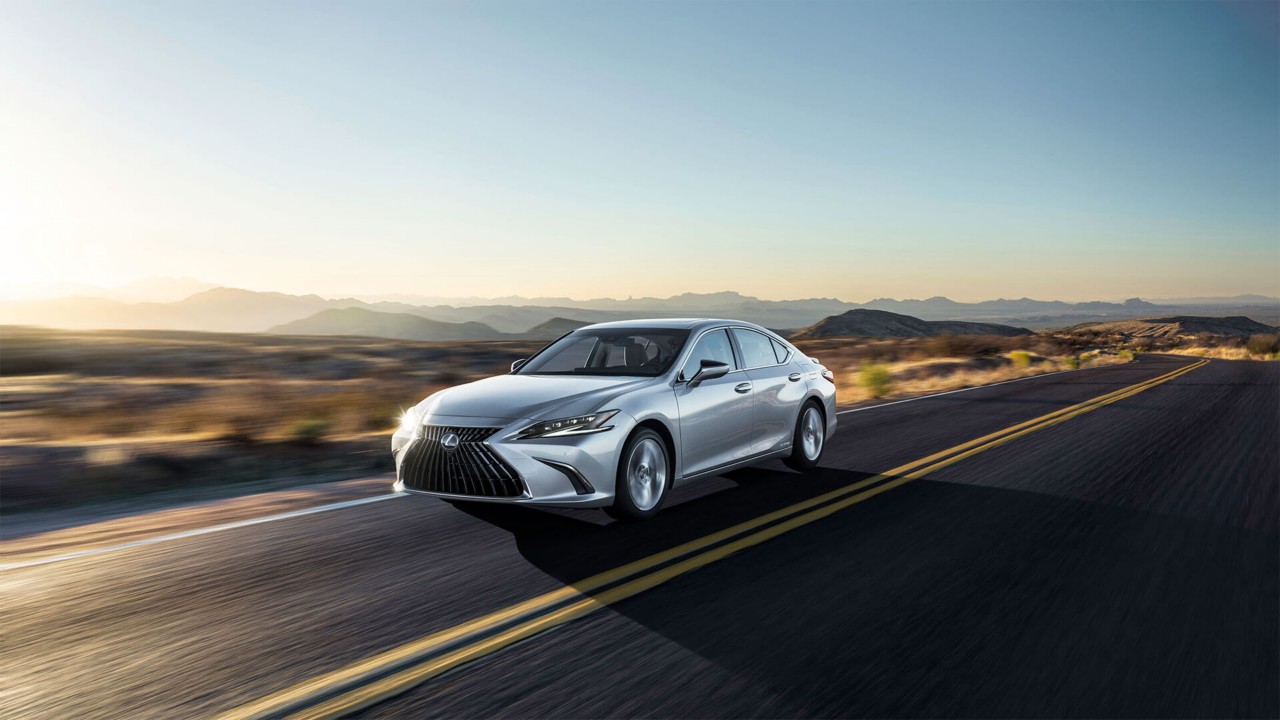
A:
x: 757, y: 350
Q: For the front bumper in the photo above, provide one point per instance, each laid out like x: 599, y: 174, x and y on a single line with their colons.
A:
x: 553, y: 471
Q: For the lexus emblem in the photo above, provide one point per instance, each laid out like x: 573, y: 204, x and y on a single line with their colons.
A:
x: 450, y: 441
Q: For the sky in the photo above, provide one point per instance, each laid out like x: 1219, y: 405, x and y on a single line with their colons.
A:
x: 1082, y: 150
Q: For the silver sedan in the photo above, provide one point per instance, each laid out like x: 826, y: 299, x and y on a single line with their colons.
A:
x: 614, y: 415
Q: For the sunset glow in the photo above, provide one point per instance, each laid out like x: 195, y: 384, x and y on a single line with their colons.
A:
x: 1076, y: 151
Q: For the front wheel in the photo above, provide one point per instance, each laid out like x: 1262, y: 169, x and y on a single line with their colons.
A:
x: 644, y: 475
x: 810, y: 439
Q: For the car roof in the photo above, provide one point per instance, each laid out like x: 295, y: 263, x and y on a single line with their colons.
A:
x: 694, y: 324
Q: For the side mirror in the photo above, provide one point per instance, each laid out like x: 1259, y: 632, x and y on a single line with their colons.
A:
x: 516, y: 365
x: 710, y: 370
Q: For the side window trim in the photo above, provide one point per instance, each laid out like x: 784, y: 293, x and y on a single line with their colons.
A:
x: 739, y: 358
x: 786, y: 351
x: 591, y: 356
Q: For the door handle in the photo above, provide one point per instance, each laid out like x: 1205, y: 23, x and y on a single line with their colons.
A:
x: 794, y: 377
x: 742, y: 388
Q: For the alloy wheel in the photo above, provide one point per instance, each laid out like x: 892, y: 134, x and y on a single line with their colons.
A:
x: 812, y: 433
x: 647, y: 473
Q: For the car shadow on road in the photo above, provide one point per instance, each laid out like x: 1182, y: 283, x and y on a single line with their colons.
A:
x: 571, y: 545
x: 940, y: 599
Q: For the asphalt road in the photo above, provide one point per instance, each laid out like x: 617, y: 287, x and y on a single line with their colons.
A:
x: 1124, y: 562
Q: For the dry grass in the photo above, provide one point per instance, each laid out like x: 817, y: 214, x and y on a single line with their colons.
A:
x: 79, y: 409
x: 913, y: 378
x: 85, y: 415
x: 1222, y: 353
x: 919, y: 366
x: 72, y: 387
x: 1262, y: 346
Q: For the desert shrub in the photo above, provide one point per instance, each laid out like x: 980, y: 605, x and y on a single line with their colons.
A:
x: 989, y: 345
x: 1126, y: 354
x: 247, y: 414
x: 1263, y: 344
x: 385, y: 413
x: 1072, y: 362
x: 449, y: 377
x: 1047, y: 346
x: 875, y: 379
x: 1020, y: 358
x: 18, y: 364
x: 243, y: 429
x: 971, y: 345
x: 309, y: 432
x: 944, y: 346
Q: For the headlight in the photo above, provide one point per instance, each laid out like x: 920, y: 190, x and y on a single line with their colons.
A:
x: 581, y: 425
x: 410, y: 429
x: 410, y: 422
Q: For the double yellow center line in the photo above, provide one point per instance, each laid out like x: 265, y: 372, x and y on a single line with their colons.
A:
x: 390, y: 673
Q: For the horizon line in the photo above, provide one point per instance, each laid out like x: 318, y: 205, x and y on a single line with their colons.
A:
x: 382, y: 297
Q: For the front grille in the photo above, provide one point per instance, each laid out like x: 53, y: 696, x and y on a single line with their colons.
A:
x: 472, y: 468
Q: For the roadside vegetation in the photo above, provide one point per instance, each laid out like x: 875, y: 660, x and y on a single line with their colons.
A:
x: 1263, y: 346
x: 909, y: 367
x: 86, y: 415
x: 876, y: 380
x: 869, y: 369
x: 1258, y: 346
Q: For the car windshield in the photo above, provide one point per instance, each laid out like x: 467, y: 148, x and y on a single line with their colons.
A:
x: 630, y: 351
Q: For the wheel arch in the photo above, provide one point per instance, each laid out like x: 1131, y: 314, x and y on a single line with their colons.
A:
x: 667, y: 439
x: 815, y: 398
x: 811, y: 398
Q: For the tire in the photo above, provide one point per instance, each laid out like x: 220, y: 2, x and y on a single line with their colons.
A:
x: 644, y: 476
x: 809, y: 440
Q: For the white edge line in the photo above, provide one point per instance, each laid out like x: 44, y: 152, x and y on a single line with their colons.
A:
x: 198, y: 531
x: 952, y: 392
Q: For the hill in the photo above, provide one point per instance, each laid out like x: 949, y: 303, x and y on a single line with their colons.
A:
x: 1176, y: 326
x: 401, y: 326
x: 882, y: 323
x: 553, y: 328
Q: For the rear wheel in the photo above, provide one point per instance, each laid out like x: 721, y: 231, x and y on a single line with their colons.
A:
x: 644, y: 474
x: 810, y: 438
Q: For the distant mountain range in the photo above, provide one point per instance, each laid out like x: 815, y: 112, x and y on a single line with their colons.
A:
x: 401, y: 326
x: 1233, y: 300
x: 406, y: 326
x: 235, y: 310
x: 882, y: 323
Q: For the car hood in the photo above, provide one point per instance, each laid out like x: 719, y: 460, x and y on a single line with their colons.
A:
x: 530, y: 396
